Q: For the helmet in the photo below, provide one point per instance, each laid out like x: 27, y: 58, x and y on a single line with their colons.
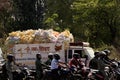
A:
x: 50, y: 55
x: 107, y: 52
x: 56, y: 56
x: 76, y: 55
x: 114, y: 64
x: 102, y: 53
x: 96, y: 53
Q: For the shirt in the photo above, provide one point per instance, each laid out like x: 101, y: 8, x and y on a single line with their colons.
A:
x: 94, y: 63
x: 38, y: 64
x: 10, y: 66
x: 54, y: 64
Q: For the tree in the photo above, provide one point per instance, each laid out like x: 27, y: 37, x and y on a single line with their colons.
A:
x: 62, y: 8
x: 5, y: 18
x: 97, y: 20
x: 28, y: 14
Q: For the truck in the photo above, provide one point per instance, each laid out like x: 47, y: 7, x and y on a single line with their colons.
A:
x: 25, y: 54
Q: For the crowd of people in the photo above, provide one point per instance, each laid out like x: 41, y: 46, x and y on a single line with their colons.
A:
x: 99, y: 62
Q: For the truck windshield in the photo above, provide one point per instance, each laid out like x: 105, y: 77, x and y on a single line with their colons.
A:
x: 70, y: 53
x: 80, y: 52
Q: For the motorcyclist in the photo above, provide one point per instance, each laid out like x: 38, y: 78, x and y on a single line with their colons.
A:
x: 50, y: 57
x: 10, y: 66
x: 78, y: 66
x: 75, y: 62
x: 94, y: 63
x: 102, y: 65
x: 39, y: 67
x: 56, y: 65
x: 106, y: 59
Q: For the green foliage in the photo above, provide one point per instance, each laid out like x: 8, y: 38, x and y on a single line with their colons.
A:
x: 95, y: 21
x: 63, y: 9
x: 5, y: 22
x: 50, y: 22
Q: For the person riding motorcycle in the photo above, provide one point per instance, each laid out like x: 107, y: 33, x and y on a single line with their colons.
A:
x: 75, y: 62
x: 39, y: 67
x: 106, y: 59
x: 102, y: 65
x: 56, y: 65
x: 50, y: 57
x: 10, y: 66
x: 94, y: 62
x: 78, y: 66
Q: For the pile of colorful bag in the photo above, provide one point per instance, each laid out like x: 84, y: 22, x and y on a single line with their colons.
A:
x: 39, y: 36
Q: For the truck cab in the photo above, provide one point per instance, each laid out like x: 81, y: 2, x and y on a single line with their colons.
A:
x: 82, y: 48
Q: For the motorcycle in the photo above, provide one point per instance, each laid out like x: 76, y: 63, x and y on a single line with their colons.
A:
x: 95, y: 75
x: 27, y: 74
x: 116, y: 69
x: 21, y: 73
x: 63, y: 74
x: 79, y: 74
